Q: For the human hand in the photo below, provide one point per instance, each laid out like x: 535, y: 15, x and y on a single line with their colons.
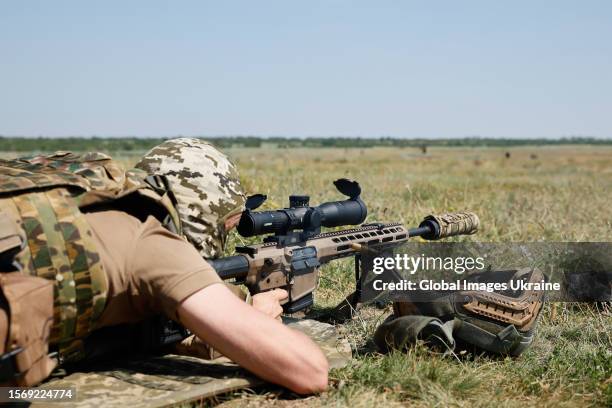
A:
x: 269, y: 302
x: 264, y: 346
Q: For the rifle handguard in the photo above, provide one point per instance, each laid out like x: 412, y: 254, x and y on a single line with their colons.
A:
x: 448, y: 225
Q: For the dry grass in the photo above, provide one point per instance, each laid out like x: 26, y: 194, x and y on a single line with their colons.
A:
x: 538, y: 194
x: 561, y: 194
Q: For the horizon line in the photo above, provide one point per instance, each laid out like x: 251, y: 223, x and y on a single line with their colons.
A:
x: 94, y: 136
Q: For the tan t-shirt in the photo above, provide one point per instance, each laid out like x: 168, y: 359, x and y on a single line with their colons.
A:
x: 149, y: 269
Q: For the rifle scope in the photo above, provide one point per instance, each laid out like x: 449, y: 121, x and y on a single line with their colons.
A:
x: 300, y: 215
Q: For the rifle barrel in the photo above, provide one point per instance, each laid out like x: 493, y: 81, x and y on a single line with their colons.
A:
x: 419, y: 231
x: 236, y: 266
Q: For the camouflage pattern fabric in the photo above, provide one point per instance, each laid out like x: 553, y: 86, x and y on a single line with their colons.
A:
x: 171, y: 379
x: 456, y: 223
x: 42, y: 194
x: 205, y: 185
x: 92, y: 178
x: 88, y: 171
x: 60, y: 248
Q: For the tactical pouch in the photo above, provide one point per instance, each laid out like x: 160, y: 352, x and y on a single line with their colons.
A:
x: 399, y: 333
x: 12, y: 241
x: 26, y: 317
x: 501, y: 323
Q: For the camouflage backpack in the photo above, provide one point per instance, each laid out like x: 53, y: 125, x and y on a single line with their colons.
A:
x: 42, y: 198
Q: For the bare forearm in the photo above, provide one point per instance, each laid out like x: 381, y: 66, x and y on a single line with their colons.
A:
x: 255, y: 341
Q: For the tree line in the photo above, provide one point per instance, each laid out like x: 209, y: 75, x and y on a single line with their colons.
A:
x: 29, y: 144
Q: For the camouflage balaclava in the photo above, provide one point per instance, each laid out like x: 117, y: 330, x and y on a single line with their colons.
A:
x: 205, y: 185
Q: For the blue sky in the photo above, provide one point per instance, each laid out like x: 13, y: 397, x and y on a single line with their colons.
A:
x: 315, y: 68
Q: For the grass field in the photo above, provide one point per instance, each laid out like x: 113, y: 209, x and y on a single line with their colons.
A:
x: 538, y: 194
x: 558, y: 193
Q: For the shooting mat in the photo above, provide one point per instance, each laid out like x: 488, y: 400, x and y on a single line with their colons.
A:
x: 160, y: 381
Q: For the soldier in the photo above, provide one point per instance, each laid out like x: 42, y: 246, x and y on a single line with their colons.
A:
x: 121, y: 247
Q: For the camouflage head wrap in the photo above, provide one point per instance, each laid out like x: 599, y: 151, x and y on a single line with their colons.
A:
x: 205, y: 185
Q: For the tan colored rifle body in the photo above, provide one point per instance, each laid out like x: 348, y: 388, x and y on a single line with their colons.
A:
x: 270, y: 266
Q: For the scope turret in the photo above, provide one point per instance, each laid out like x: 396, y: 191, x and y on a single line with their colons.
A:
x: 300, y: 216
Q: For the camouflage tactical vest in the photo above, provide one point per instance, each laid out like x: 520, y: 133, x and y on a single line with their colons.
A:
x: 46, y: 197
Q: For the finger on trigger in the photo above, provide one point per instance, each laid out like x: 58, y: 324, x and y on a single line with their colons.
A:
x: 280, y: 294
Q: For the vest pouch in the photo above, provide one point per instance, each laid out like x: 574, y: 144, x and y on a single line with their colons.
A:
x: 26, y: 317
x: 12, y: 241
